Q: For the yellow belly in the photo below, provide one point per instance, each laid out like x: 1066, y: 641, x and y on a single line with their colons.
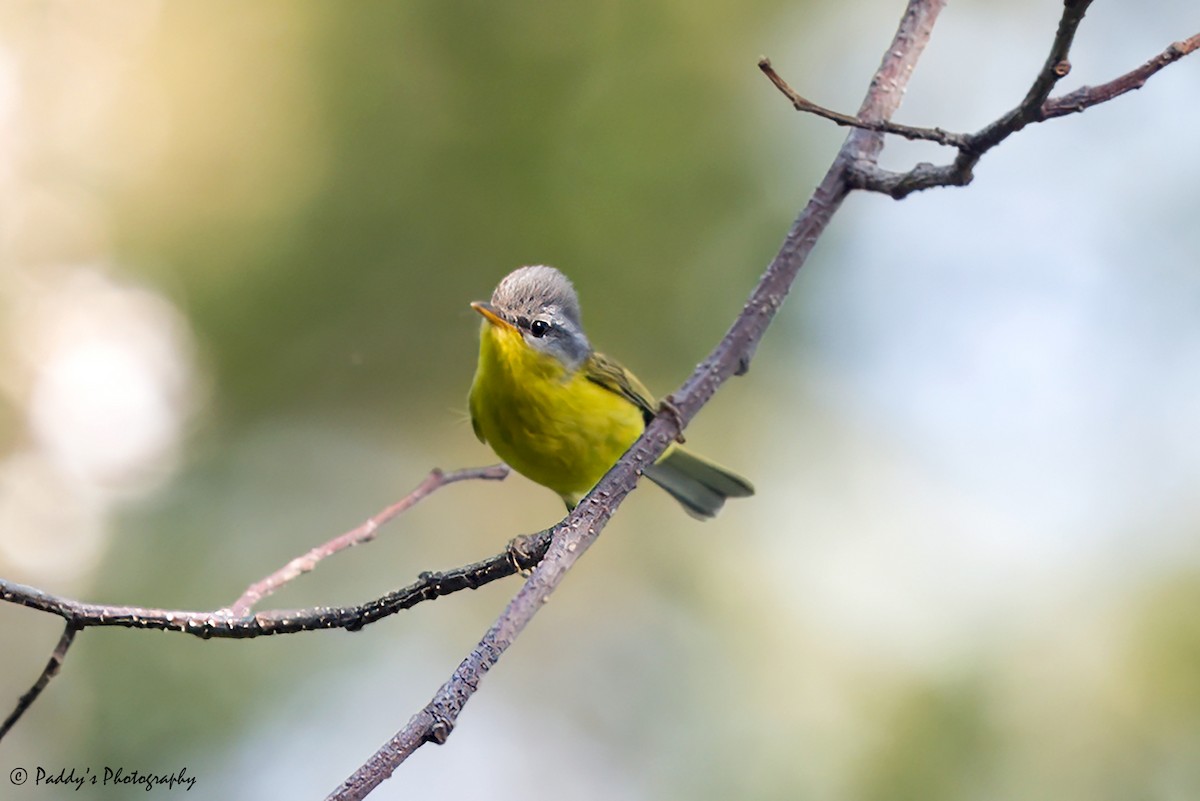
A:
x: 558, y: 429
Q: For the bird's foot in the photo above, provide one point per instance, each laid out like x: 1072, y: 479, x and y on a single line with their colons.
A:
x: 667, y: 406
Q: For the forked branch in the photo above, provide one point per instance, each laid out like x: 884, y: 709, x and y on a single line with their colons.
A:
x: 364, y: 533
x: 1037, y: 106
x: 236, y: 622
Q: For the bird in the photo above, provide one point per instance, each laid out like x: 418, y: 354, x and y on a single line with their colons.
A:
x: 560, y: 413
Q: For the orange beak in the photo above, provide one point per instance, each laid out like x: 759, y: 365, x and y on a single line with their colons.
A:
x: 491, y: 315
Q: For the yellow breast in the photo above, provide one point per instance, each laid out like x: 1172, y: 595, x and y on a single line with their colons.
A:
x: 556, y: 428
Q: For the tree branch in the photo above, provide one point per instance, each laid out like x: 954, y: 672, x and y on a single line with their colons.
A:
x: 235, y: 623
x: 50, y: 671
x: 523, y: 553
x: 1037, y: 106
x: 732, y: 356
x: 1088, y: 96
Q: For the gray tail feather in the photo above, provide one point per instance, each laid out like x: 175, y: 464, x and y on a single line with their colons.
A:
x: 699, y: 485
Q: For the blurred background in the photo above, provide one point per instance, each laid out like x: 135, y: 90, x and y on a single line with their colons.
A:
x: 237, y: 244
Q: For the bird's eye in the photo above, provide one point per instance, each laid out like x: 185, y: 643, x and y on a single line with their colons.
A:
x: 539, y: 328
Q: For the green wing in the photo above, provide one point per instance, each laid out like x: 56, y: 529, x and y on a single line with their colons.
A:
x: 609, y: 374
x: 698, y: 484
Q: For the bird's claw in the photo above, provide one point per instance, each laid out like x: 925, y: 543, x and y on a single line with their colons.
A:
x: 667, y: 406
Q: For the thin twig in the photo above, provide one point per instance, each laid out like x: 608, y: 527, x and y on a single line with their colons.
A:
x: 801, y: 103
x: 364, y: 533
x: 50, y: 671
x: 1088, y: 96
x: 732, y: 356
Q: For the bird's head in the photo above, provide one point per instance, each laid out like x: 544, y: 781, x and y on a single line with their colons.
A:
x: 540, y: 305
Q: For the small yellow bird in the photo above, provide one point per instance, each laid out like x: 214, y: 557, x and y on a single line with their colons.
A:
x: 562, y: 414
